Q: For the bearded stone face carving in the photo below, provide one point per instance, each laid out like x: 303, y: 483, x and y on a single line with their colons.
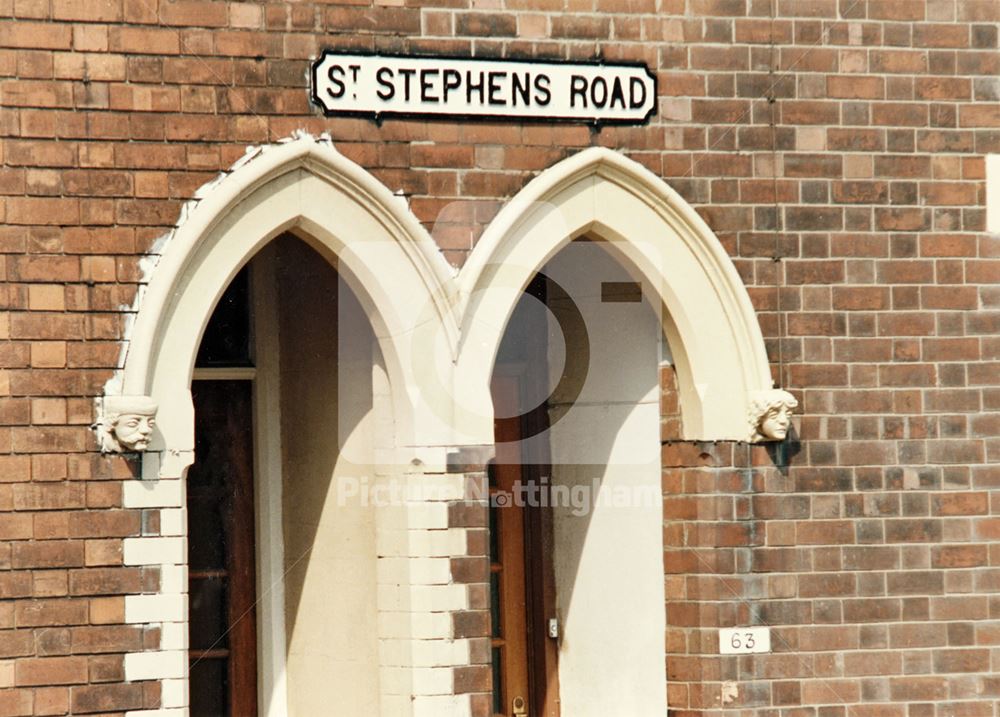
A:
x: 126, y: 424
x: 770, y: 415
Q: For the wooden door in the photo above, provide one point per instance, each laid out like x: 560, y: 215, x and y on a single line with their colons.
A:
x: 507, y: 562
x: 525, y: 682
x: 222, y: 570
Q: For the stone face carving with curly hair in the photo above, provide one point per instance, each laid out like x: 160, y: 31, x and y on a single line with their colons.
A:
x: 770, y: 415
x: 126, y: 423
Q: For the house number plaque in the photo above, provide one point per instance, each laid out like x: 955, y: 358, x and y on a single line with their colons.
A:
x: 744, y: 640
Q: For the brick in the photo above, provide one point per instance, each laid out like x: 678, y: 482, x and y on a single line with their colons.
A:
x: 51, y: 671
x: 108, y: 668
x: 198, y: 13
x: 47, y: 554
x: 580, y: 27
x: 14, y: 33
x: 15, y: 703
x: 898, y: 61
x: 959, y: 556
x: 802, y: 112
x: 39, y: 210
x: 143, y: 40
x: 811, y: 165
x: 486, y: 24
x: 43, y: 613
x: 851, y: 87
x: 53, y: 496
x: 16, y: 643
x: 985, y: 116
x: 87, y: 10
x: 107, y: 610
x: 107, y: 698
x: 961, y: 660
x: 48, y: 354
x: 103, y: 552
x: 40, y: 439
x: 105, y: 581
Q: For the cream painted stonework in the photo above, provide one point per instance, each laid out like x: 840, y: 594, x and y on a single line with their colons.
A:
x: 436, y: 332
x: 770, y: 415
x: 125, y: 423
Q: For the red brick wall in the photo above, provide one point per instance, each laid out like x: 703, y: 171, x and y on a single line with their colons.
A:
x: 836, y: 148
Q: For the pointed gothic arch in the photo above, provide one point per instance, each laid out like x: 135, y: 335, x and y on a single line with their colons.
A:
x: 304, y: 186
x: 709, y: 320
x: 440, y: 334
x: 437, y: 333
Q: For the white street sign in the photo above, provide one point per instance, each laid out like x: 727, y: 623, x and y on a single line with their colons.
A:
x: 381, y: 85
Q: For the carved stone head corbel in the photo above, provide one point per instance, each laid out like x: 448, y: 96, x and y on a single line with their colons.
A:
x: 770, y: 415
x: 125, y: 423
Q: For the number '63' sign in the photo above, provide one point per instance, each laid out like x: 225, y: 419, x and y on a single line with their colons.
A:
x: 744, y: 640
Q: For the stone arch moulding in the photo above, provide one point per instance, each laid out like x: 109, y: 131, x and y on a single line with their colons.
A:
x: 709, y: 320
x: 304, y: 184
x: 439, y: 333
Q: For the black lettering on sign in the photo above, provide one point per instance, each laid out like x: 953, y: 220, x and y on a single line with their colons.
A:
x: 636, y: 99
x: 471, y: 87
x: 338, y: 88
x: 617, y: 93
x: 578, y: 88
x: 543, y: 95
x: 386, y: 89
x: 426, y: 85
x: 494, y: 89
x: 452, y: 81
x: 407, y: 75
x: 495, y: 98
x: 520, y: 85
x: 599, y: 92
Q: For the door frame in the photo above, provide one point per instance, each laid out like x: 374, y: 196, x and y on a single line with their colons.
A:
x: 536, y: 529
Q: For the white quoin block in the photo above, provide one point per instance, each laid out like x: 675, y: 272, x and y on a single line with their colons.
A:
x: 424, y: 653
x: 421, y: 598
x: 428, y: 653
x: 433, y: 680
x: 173, y: 578
x: 155, y: 608
x: 993, y: 193
x: 418, y: 625
x: 422, y: 543
x: 153, y: 494
x: 173, y: 636
x: 415, y: 571
x: 442, y: 706
x: 173, y: 693
x: 157, y: 665
x: 429, y: 516
x: 173, y: 521
x: 154, y: 551
x: 434, y: 487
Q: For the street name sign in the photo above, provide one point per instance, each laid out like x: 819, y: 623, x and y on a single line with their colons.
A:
x: 378, y: 86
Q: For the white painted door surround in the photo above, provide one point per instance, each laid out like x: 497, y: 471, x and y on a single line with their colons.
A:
x: 438, y: 332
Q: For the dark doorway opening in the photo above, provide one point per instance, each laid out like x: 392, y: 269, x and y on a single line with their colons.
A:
x: 220, y: 501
